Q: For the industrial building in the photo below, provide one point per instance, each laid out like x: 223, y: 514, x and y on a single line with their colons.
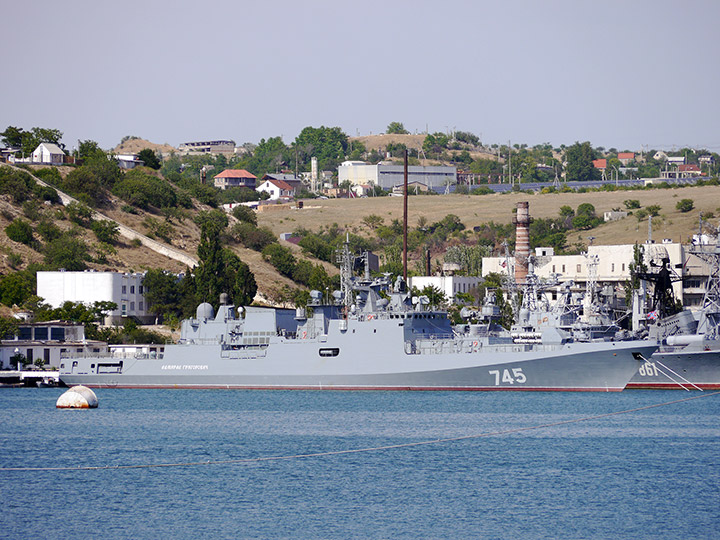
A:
x: 207, y: 147
x: 388, y: 175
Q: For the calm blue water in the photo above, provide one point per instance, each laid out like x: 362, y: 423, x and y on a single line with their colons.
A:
x: 650, y: 474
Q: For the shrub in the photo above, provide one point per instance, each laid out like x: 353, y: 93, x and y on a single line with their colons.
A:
x: 48, y: 230
x: 252, y: 237
x: 281, y: 258
x: 685, y: 205
x: 144, y: 190
x: 79, y: 213
x: 243, y: 213
x: 106, y: 231
x: 631, y: 203
x: 20, y: 231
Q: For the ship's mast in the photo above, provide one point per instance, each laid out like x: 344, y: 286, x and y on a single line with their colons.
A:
x: 405, y: 215
x: 345, y: 259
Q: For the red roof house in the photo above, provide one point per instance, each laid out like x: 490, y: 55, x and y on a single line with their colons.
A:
x: 235, y: 178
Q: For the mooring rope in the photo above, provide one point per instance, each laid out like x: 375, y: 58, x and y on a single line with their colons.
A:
x: 356, y: 450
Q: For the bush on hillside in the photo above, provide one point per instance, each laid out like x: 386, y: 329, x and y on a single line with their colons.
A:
x: 144, y: 190
x: 20, y: 231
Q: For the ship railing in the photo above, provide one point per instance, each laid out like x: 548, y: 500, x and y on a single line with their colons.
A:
x: 112, y: 355
x: 430, y: 346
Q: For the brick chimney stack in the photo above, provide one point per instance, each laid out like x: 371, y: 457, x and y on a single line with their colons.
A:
x: 522, y: 241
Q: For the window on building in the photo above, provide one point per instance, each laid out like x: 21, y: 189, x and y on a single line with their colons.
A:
x: 41, y: 333
x: 25, y: 332
x: 124, y: 289
x: 46, y: 356
x: 57, y: 334
x: 29, y: 356
x: 140, y: 289
x: 132, y: 289
x: 579, y: 268
x: 563, y: 268
x: 132, y: 306
x: 553, y: 268
x: 623, y: 267
x: 612, y: 267
x: 141, y: 306
x: 124, y: 310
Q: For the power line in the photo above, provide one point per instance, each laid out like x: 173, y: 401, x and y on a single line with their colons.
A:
x: 355, y: 450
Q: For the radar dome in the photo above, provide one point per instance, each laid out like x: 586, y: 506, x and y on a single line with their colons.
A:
x: 205, y: 311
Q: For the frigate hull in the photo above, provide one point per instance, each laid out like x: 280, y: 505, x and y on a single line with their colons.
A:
x: 356, y: 363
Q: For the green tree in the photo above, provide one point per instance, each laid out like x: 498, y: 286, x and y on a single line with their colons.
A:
x: 580, y: 166
x: 329, y: 145
x: 396, y: 128
x: 89, y: 149
x: 210, y: 270
x: 149, y: 158
x: 16, y: 288
x: 68, y: 253
x: 239, y: 280
x: 435, y: 295
x: 162, y: 292
x: 12, y: 137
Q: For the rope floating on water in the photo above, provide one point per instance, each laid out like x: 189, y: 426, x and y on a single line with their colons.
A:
x: 356, y: 450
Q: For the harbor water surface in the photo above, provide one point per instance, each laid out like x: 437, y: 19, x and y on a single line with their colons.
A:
x: 646, y: 474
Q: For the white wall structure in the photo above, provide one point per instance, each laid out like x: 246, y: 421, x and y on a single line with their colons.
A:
x: 450, y: 285
x: 387, y: 175
x: 48, y: 341
x: 126, y: 290
x: 48, y: 153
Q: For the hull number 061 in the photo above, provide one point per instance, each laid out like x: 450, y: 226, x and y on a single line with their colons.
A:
x: 510, y: 376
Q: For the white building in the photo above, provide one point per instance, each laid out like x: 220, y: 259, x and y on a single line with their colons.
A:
x: 449, y: 285
x: 388, y: 175
x: 128, y: 161
x: 48, y: 341
x: 207, y: 147
x: 276, y: 189
x: 48, y: 153
x: 611, y: 265
x: 125, y: 290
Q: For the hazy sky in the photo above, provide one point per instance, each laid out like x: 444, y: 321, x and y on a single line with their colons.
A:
x: 620, y: 74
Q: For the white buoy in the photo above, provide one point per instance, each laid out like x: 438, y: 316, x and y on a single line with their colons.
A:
x: 77, y: 397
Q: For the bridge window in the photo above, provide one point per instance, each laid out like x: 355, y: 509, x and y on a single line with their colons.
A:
x: 334, y: 351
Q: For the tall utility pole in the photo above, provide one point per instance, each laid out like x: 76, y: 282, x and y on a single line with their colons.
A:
x: 510, y: 178
x: 405, y: 215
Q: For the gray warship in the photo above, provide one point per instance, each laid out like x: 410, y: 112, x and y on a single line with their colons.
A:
x: 689, y: 353
x: 369, y: 335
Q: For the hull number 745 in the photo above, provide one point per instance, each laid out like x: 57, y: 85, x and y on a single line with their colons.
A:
x: 510, y: 376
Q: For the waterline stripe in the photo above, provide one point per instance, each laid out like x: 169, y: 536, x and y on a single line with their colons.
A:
x: 356, y: 450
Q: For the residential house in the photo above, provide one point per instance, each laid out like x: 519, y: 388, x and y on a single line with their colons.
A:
x: 231, y: 178
x: 626, y: 157
x: 48, y: 153
x: 277, y: 189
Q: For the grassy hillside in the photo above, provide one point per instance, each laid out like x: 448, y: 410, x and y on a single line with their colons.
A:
x: 474, y: 210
